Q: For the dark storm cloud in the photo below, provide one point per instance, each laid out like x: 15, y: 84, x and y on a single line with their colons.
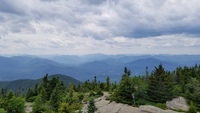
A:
x: 147, y: 32
x: 107, y: 18
x: 8, y: 6
x: 94, y: 2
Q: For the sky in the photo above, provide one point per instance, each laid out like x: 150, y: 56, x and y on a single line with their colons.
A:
x: 43, y: 27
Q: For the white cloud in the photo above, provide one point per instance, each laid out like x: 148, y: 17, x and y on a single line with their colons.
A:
x: 103, y: 26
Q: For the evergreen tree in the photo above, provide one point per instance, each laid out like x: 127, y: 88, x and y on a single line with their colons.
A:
x: 38, y: 106
x: 3, y: 92
x: 36, y: 89
x: 123, y: 93
x: 64, y: 108
x: 107, y: 84
x: 57, y: 94
x: 193, y: 91
x: 55, y: 99
x: 29, y: 95
x: 16, y: 105
x: 71, y: 91
x: 91, y: 107
x: 160, y: 85
x: 140, y: 86
x: 51, y: 86
x: 95, y: 79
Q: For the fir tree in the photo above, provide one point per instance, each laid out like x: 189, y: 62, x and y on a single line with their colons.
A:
x: 107, y: 84
x: 91, y: 107
x: 160, y: 85
x: 123, y: 93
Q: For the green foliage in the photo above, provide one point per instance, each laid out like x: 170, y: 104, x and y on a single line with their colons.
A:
x: 64, y: 108
x: 99, y: 93
x: 177, y: 91
x: 140, y: 86
x: 80, y: 97
x: 160, y: 85
x: 161, y: 105
x: 16, y: 105
x: 192, y: 108
x: 38, y: 106
x: 193, y: 91
x: 12, y: 104
x: 123, y: 93
x: 55, y: 99
x: 140, y: 102
x: 51, y: 96
x: 3, y: 92
x: 107, y: 84
x: 71, y: 103
x: 30, y: 95
x: 92, y: 94
x: 91, y: 107
x: 49, y: 93
x: 1, y: 103
x: 67, y: 108
x: 155, y: 88
x: 2, y: 110
x: 31, y: 99
x: 25, y: 84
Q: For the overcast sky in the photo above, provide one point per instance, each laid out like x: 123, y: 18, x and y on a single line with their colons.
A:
x: 99, y: 26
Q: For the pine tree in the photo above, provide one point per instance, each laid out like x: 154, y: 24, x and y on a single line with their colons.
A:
x: 71, y: 91
x: 91, y: 107
x: 160, y: 85
x: 55, y: 99
x: 38, y: 106
x: 107, y: 84
x: 123, y: 93
x: 29, y: 94
x: 3, y: 92
x: 51, y: 86
x: 193, y: 91
x: 16, y: 105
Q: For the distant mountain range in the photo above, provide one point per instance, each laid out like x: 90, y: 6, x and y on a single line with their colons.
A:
x: 87, y: 66
x: 25, y: 84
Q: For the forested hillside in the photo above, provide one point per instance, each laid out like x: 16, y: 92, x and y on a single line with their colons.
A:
x: 23, y: 85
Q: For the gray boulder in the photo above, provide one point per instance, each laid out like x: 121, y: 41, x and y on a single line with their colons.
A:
x: 177, y: 103
x: 153, y: 109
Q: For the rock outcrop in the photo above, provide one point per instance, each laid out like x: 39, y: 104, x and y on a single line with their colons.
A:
x: 177, y: 103
x: 106, y: 106
x: 153, y: 109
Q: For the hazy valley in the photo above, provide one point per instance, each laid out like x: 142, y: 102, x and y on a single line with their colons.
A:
x: 87, y: 66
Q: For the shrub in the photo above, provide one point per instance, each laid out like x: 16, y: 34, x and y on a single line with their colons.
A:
x: 99, y: 93
x: 91, y: 107
x: 160, y: 105
x: 192, y: 109
x: 2, y: 110
x: 81, y: 97
x: 140, y: 102
x: 31, y: 99
x: 92, y: 94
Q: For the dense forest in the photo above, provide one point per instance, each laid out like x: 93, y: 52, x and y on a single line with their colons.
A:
x: 154, y: 88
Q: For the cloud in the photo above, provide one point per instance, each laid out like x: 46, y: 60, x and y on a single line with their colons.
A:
x: 93, y: 2
x: 93, y: 26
